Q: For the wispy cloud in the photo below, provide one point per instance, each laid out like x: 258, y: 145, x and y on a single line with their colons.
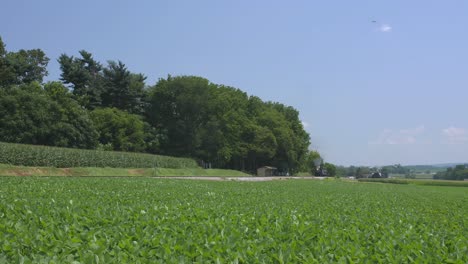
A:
x: 398, y: 137
x: 385, y: 28
x: 455, y: 135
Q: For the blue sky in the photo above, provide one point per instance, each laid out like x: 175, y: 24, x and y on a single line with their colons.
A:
x: 393, y: 91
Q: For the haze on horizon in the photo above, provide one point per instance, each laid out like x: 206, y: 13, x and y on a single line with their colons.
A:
x: 376, y: 83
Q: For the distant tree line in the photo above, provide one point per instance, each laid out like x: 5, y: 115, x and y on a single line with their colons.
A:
x: 97, y: 106
x: 459, y: 172
x: 367, y: 172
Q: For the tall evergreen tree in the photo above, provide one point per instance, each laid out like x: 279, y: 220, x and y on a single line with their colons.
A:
x: 84, y: 75
x: 123, y: 89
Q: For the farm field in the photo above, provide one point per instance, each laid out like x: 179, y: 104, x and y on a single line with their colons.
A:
x: 46, y: 156
x: 10, y: 170
x: 416, y: 176
x: 417, y: 182
x: 140, y: 220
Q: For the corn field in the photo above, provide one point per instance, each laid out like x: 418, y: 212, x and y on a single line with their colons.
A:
x: 44, y: 156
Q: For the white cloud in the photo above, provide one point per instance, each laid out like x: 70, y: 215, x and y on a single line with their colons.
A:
x: 455, y: 135
x: 399, y: 137
x: 385, y: 28
x: 305, y: 124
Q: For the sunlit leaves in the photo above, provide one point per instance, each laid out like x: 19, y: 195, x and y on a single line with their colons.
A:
x: 103, y: 220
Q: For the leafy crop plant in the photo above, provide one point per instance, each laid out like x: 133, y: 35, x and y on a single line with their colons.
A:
x: 145, y: 220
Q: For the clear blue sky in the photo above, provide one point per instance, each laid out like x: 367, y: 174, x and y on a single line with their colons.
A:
x: 393, y: 91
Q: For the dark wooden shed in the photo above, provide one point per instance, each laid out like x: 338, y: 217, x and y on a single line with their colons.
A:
x: 266, y: 171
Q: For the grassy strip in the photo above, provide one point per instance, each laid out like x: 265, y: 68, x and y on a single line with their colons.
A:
x: 9, y: 170
x: 199, y: 172
x: 303, y: 174
x: 43, y: 156
x: 419, y: 182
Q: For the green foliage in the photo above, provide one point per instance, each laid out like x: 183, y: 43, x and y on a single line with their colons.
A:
x: 185, y: 116
x: 223, y: 126
x: 180, y: 105
x: 123, y: 89
x: 84, y: 75
x: 29, y: 155
x: 312, y: 158
x: 98, y: 86
x: 459, y: 172
x: 119, y: 129
x: 22, y: 67
x: 362, y: 172
x: 331, y: 169
x: 45, y: 116
x: 427, y: 169
x: 105, y: 220
x: 397, y: 169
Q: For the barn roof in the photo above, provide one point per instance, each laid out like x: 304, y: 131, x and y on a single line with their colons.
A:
x: 268, y: 167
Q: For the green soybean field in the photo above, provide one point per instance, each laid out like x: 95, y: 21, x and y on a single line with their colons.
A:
x: 146, y: 220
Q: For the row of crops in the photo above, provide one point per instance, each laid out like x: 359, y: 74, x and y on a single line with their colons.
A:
x: 108, y: 220
x: 31, y: 155
x: 418, y: 182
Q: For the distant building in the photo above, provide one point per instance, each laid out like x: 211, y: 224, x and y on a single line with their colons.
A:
x: 266, y: 171
x: 377, y: 175
x: 321, y: 171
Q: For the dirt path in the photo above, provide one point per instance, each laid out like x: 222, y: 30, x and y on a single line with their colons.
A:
x: 250, y: 179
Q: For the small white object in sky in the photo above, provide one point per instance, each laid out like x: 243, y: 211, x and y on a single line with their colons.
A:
x: 385, y: 28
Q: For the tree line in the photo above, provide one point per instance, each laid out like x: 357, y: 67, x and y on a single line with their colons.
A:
x: 459, y: 172
x: 366, y: 172
x: 108, y: 107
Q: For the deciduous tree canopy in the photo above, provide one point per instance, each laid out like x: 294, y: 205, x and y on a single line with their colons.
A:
x: 113, y: 108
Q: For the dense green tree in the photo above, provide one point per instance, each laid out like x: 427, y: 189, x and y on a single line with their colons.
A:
x: 293, y: 141
x: 396, y: 169
x: 98, y: 86
x: 2, y: 48
x: 262, y: 146
x: 119, y: 129
x: 7, y: 75
x: 84, y: 75
x: 385, y: 172
x: 331, y: 169
x: 180, y: 116
x: 180, y: 106
x: 123, y: 89
x: 22, y: 67
x: 362, y: 172
x: 459, y: 172
x: 341, y: 171
x: 351, y: 171
x: 28, y: 65
x: 312, y: 162
x: 223, y: 126
x: 230, y: 111
x: 45, y: 116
